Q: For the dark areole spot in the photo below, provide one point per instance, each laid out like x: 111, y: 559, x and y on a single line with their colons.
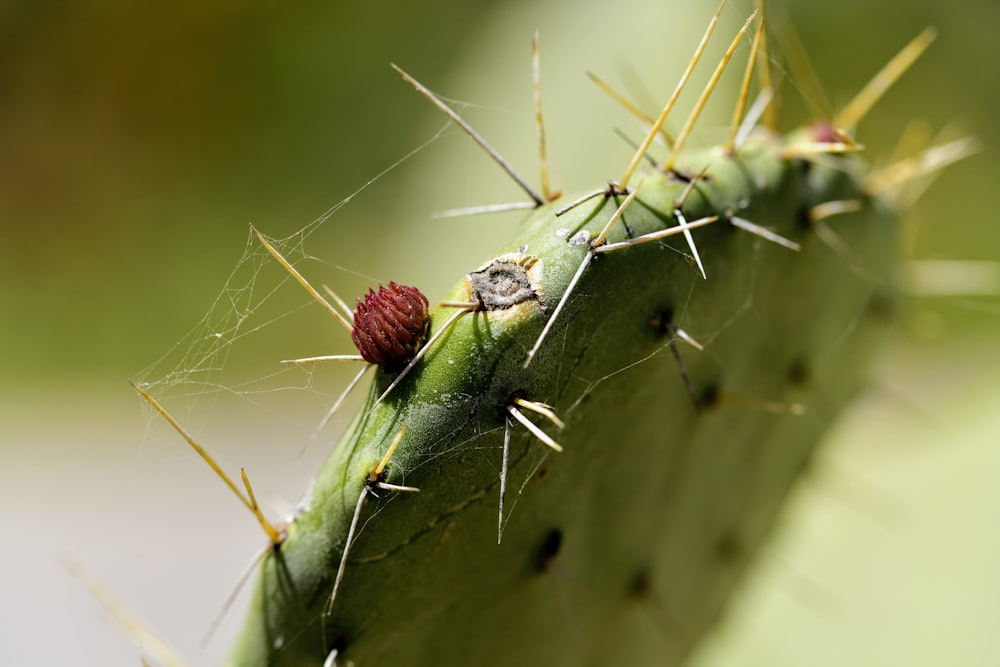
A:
x: 799, y: 373
x: 882, y: 305
x: 709, y: 397
x: 729, y: 547
x: 663, y: 323
x: 803, y: 219
x: 549, y: 550
x: 640, y: 587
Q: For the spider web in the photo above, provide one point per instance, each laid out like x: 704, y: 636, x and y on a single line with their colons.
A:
x: 233, y: 356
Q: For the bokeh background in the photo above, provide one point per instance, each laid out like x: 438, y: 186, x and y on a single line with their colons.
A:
x: 139, y: 142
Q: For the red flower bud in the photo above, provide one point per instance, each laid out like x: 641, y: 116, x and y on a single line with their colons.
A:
x: 825, y: 133
x: 390, y: 326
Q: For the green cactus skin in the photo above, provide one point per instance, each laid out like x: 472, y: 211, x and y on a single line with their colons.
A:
x: 622, y: 549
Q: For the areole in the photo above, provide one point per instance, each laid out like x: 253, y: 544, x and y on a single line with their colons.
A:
x: 507, y: 281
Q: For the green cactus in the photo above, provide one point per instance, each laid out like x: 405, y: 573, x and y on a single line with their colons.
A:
x: 632, y: 501
x: 622, y: 548
x: 619, y: 524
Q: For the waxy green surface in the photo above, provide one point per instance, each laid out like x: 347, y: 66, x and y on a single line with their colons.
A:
x: 623, y: 548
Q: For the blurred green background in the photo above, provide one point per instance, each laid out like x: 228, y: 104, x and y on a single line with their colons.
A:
x: 138, y: 142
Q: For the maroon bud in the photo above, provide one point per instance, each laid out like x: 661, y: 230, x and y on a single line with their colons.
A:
x: 825, y: 133
x: 390, y: 326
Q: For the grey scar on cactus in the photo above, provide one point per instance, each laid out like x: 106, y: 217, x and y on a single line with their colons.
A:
x: 644, y: 477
